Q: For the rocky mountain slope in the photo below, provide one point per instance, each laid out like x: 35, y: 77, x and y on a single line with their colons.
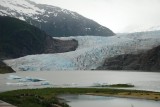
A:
x: 148, y: 61
x: 53, y: 20
x: 4, y: 68
x: 17, y: 39
x: 91, y: 53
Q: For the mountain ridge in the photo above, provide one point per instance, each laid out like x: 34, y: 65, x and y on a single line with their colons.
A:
x: 53, y: 20
x: 18, y: 38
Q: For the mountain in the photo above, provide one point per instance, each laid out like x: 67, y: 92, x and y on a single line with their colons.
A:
x: 147, y: 61
x: 91, y: 53
x: 18, y: 38
x: 53, y: 20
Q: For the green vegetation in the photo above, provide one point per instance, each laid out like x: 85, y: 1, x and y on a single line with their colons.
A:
x: 115, y: 85
x: 121, y: 85
x: 47, y: 97
x: 18, y: 38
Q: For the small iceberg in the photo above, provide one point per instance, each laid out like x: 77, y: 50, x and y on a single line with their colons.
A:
x: 13, y: 77
x: 16, y: 84
x: 97, y: 84
x: 45, y: 83
x: 33, y: 79
x: 26, y: 81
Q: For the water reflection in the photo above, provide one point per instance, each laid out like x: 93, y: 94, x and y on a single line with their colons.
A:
x: 101, y: 101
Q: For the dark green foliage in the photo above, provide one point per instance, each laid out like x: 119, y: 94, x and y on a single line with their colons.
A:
x: 121, y: 85
x: 29, y: 98
x: 17, y: 38
x: 116, y: 85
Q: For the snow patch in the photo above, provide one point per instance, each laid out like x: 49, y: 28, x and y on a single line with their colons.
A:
x: 88, y: 29
x: 21, y: 6
x: 22, y: 18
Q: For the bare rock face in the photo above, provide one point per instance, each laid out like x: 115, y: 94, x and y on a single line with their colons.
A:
x: 148, y: 61
x: 121, y: 62
x: 4, y: 68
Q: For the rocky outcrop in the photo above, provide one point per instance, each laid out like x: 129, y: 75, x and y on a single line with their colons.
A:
x: 4, y: 68
x: 148, y: 61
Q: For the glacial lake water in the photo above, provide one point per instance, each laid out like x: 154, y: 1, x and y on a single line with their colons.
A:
x: 142, y: 80
x: 101, y: 101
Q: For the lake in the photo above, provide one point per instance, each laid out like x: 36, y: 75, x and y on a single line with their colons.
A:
x: 101, y: 101
x: 142, y: 80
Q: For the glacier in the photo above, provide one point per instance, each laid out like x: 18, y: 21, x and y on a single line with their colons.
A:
x: 90, y: 54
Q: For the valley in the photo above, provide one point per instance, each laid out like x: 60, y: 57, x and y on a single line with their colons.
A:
x: 55, y: 57
x: 90, y: 54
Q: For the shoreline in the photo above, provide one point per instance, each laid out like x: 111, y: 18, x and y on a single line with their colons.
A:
x: 153, y: 97
x: 49, y: 96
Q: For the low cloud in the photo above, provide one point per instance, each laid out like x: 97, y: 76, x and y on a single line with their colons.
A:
x: 118, y: 15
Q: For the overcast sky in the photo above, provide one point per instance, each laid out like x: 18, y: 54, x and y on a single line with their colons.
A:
x: 118, y: 15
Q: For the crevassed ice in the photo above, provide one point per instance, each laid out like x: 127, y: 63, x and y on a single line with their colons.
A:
x: 91, y: 52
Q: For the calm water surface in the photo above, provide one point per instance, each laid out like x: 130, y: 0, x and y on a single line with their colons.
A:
x: 141, y: 80
x: 100, y: 101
